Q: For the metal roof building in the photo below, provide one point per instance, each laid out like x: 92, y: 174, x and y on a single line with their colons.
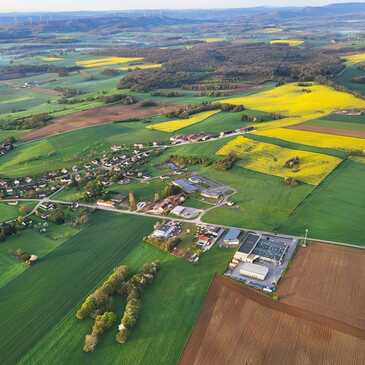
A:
x: 254, y: 271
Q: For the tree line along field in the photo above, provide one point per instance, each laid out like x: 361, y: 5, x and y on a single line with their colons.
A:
x: 44, y: 295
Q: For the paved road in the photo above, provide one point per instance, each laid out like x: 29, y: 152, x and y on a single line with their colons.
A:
x: 194, y: 221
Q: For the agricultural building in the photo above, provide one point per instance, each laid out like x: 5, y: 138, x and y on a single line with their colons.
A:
x: 254, y: 271
x: 232, y: 237
x: 262, y: 247
x: 186, y: 186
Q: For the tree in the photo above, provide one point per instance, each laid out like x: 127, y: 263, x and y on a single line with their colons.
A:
x: 57, y: 216
x: 132, y: 201
x: 122, y: 336
x: 24, y: 210
x: 156, y: 197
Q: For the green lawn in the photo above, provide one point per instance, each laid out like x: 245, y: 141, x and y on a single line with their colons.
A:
x: 8, y: 212
x: 335, y: 210
x: 49, y: 294
x: 33, y: 242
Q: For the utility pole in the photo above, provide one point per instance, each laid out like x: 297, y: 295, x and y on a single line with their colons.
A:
x: 305, y: 237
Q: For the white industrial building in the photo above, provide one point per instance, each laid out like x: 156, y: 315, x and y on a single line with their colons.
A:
x: 253, y: 270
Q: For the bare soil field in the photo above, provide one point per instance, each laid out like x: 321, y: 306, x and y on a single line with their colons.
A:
x: 238, y: 326
x: 328, y: 280
x: 96, y: 116
x: 326, y: 130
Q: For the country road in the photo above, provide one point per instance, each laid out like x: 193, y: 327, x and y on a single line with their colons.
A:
x: 183, y: 220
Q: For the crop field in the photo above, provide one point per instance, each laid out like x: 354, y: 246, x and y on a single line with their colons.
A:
x: 262, y: 201
x: 160, y: 334
x: 177, y: 124
x: 271, y: 30
x: 223, y: 121
x: 51, y: 59
x: 66, y: 149
x: 270, y: 159
x: 347, y: 76
x: 335, y: 209
x: 355, y: 58
x: 348, y: 144
x: 327, y: 279
x: 289, y: 42
x: 108, y: 61
x: 298, y: 103
x: 348, y: 129
x: 96, y: 116
x: 140, y: 67
x: 34, y: 243
x: 240, y: 326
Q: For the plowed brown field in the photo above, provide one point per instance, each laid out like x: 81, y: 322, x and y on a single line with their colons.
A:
x: 96, y: 116
x: 326, y: 130
x: 239, y: 326
x: 328, y: 280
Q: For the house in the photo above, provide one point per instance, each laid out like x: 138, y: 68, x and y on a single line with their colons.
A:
x: 105, y: 203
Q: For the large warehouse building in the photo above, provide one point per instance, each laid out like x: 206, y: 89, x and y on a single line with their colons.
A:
x: 254, y: 271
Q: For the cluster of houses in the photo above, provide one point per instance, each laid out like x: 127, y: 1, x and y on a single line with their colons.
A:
x: 207, y: 236
x: 6, y: 147
x: 124, y: 166
x: 201, y: 137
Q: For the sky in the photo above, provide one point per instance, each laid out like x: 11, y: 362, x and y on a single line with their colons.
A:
x: 70, y: 5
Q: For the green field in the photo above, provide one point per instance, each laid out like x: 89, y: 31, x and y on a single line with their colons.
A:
x: 66, y: 149
x: 345, y: 79
x: 335, y: 209
x: 262, y: 201
x: 347, y: 125
x: 8, y: 212
x: 34, y: 243
x: 51, y: 292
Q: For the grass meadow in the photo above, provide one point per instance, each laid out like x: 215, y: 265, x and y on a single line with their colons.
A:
x: 49, y: 294
x: 335, y: 209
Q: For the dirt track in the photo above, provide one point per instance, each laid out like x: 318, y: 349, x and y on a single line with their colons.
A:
x: 97, y: 116
x: 326, y: 130
x: 328, y: 280
x: 240, y: 326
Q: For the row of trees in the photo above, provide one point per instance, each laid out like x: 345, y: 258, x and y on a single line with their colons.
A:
x: 99, y: 301
x: 226, y: 163
x: 35, y: 121
x: 181, y: 160
x: 132, y: 289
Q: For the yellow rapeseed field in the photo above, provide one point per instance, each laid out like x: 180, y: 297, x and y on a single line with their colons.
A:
x: 270, y: 159
x: 290, y: 42
x: 176, y: 124
x: 214, y: 40
x: 348, y: 144
x: 51, y: 59
x: 108, y: 61
x: 140, y: 67
x: 271, y: 30
x: 298, y: 103
x: 355, y: 58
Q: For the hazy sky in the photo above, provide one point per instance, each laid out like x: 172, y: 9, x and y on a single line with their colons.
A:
x: 60, y: 5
